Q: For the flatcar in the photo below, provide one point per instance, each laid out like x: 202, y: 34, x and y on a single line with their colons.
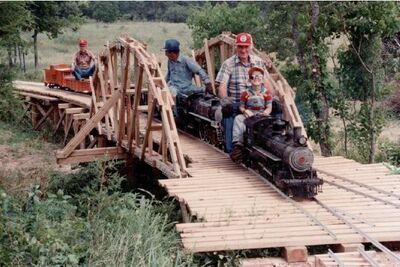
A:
x: 60, y: 76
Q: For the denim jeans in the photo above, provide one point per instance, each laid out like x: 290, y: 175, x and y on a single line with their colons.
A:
x: 81, y: 73
x: 185, y: 91
x: 227, y: 122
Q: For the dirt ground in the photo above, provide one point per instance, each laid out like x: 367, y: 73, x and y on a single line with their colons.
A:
x: 22, y: 165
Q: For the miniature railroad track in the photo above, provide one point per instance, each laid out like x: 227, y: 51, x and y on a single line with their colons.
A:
x: 356, y: 259
x: 342, y: 217
x: 236, y: 211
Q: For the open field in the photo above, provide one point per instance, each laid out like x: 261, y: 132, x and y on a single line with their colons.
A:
x: 62, y: 48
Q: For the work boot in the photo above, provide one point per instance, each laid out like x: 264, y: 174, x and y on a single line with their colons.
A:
x: 237, y: 152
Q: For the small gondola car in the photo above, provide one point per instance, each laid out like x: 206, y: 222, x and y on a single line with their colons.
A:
x: 60, y: 76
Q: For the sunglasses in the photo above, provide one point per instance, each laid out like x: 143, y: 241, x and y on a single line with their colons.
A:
x: 257, y: 76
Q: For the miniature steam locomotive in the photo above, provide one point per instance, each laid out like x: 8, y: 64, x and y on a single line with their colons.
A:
x: 271, y: 146
x: 281, y: 154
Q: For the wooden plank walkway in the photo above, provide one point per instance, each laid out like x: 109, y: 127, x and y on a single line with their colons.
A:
x: 235, y: 209
x: 38, y: 88
x: 353, y: 259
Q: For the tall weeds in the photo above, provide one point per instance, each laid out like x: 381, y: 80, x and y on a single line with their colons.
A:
x: 92, y: 225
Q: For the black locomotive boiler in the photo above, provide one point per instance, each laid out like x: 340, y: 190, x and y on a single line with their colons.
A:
x: 271, y: 147
x: 280, y: 154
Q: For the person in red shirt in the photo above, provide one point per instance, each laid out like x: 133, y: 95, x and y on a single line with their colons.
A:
x: 255, y: 100
x: 83, y: 64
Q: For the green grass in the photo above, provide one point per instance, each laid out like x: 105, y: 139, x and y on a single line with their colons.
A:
x: 62, y: 48
x: 50, y: 217
x: 93, y: 226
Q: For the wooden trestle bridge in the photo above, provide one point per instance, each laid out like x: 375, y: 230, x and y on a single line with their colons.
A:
x: 224, y: 205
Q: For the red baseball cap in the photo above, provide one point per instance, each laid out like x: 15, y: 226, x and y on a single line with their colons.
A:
x: 243, y: 39
x: 82, y: 42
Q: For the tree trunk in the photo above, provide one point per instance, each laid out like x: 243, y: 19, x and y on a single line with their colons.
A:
x: 35, y: 50
x: 19, y: 57
x: 10, y: 62
x: 321, y: 111
x: 23, y: 61
x: 15, y: 54
x: 299, y: 46
x: 372, y: 148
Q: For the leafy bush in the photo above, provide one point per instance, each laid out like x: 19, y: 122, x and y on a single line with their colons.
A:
x: 209, y: 21
x: 96, y: 225
x: 10, y: 105
x: 105, y: 11
x: 390, y: 152
x: 42, y: 232
x: 394, y: 102
x: 177, y: 13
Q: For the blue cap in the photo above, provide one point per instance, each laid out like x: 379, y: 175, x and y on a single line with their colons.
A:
x: 171, y: 45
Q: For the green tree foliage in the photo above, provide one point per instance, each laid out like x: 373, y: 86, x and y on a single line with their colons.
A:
x: 362, y: 67
x: 9, y: 103
x: 105, y: 11
x: 174, y: 11
x: 11, y: 26
x: 210, y: 21
x: 51, y: 18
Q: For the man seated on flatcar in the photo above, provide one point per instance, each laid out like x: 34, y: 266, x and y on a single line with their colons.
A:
x: 83, y: 64
x: 181, y: 70
x: 255, y: 100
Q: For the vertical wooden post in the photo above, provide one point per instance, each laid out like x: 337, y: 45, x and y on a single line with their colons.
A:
x: 94, y: 102
x: 34, y: 114
x: 196, y: 77
x: 56, y: 114
x: 134, y: 123
x: 210, y: 65
x: 103, y: 96
x: 125, y: 65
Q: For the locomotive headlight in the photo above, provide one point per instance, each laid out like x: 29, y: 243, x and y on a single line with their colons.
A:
x: 302, y: 140
x: 301, y: 159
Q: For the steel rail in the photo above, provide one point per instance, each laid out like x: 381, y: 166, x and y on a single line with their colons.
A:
x: 358, y: 183
x: 336, y: 258
x: 363, y: 194
x: 303, y: 210
x: 360, y: 232
x: 368, y: 258
x: 356, y: 217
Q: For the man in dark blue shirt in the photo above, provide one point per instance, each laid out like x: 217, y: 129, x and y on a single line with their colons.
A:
x: 181, y: 70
